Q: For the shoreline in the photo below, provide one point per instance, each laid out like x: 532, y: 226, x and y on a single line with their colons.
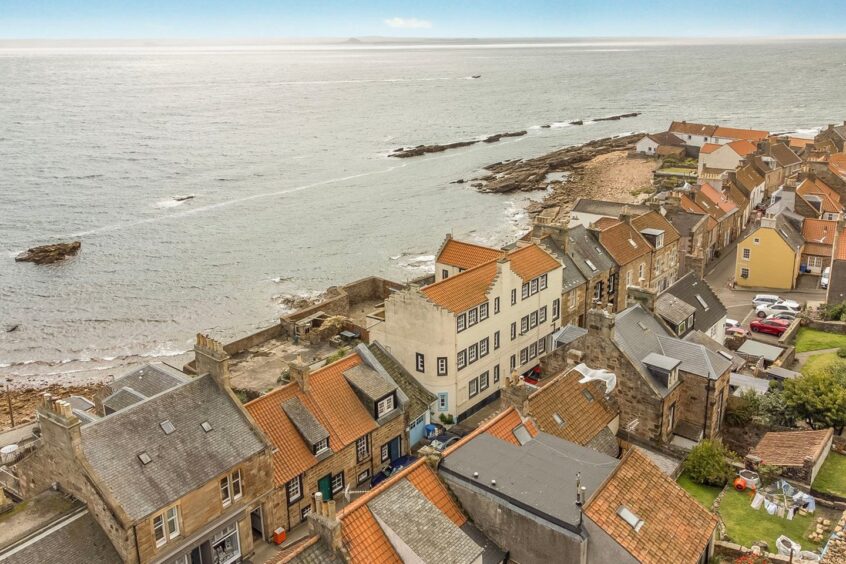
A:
x: 586, y: 174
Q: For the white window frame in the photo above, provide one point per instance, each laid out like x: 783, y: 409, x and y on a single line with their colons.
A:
x: 461, y: 322
x: 496, y: 305
x: 461, y: 359
x: 472, y: 353
x: 533, y: 286
x: 472, y: 317
x: 484, y: 345
x: 473, y: 388
x: 533, y: 320
x: 443, y: 366
x: 542, y: 315
x: 321, y: 446
x: 483, y: 311
x: 364, y: 475
x: 236, y: 485
x: 496, y: 373
x: 573, y: 299
x: 167, y: 522
x: 524, y: 291
x: 362, y: 448
x: 420, y: 362
x: 225, y: 491
x: 159, y: 528
x: 336, y: 488
x: 628, y: 278
x: 747, y: 254
x: 496, y: 340
x: 542, y: 282
x: 746, y: 271
x: 524, y: 356
x: 513, y: 330
x: 556, y: 308
x: 524, y: 324
x: 385, y: 405
x: 513, y: 362
x: 513, y: 296
x: 541, y: 346
x: 294, y: 489
x: 641, y: 271
x: 484, y: 381
x: 443, y: 401
x: 533, y: 351
x: 384, y: 452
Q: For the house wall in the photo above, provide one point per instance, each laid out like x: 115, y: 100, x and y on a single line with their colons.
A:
x: 772, y: 263
x: 646, y: 146
x: 511, y: 528
x: 665, y: 266
x: 204, y: 505
x: 602, y: 548
x: 572, y: 315
x: 633, y: 269
x: 413, y: 324
x: 723, y: 158
x: 825, y: 262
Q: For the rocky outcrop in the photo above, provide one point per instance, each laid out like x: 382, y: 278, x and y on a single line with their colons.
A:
x: 533, y: 174
x: 498, y: 136
x: 403, y: 153
x: 617, y: 117
x: 48, y: 254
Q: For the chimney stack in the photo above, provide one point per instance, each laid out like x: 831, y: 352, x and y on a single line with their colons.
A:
x: 299, y: 372
x: 601, y: 323
x: 643, y: 296
x: 212, y: 359
x: 60, y: 428
x: 323, y: 521
x: 545, y: 225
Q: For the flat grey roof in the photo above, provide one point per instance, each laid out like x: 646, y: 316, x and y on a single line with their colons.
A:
x: 538, y: 477
x: 568, y: 334
x: 744, y: 382
x: 756, y: 348
x: 782, y: 373
x: 661, y: 361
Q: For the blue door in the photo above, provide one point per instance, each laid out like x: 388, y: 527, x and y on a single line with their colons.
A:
x: 417, y: 431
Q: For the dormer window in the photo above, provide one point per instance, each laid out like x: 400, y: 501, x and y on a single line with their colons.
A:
x: 630, y: 517
x: 385, y: 405
x: 321, y: 446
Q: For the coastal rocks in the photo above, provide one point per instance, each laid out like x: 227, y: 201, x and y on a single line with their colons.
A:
x: 532, y: 174
x: 498, y: 136
x: 618, y: 117
x: 48, y: 254
x: 403, y: 153
x: 577, y: 122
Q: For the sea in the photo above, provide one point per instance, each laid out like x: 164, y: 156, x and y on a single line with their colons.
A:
x: 284, y: 149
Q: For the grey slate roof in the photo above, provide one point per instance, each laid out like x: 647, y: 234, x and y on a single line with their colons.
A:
x: 757, y: 349
x: 538, y: 477
x: 637, y: 333
x: 784, y: 155
x: 77, y: 540
x: 571, y: 277
x: 584, y: 246
x: 789, y: 232
x: 605, y: 442
x: 568, y: 334
x: 306, y: 423
x: 122, y: 398
x: 422, y: 527
x: 744, y: 383
x: 181, y: 461
x: 661, y: 361
x: 317, y: 553
x: 691, y: 289
x: 418, y: 396
x: 368, y: 382
x: 684, y: 221
x: 80, y: 402
x: 701, y: 338
x: 673, y: 309
x: 150, y: 379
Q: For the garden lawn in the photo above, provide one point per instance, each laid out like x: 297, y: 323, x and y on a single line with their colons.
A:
x: 745, y: 525
x: 820, y: 362
x: 832, y: 476
x: 703, y: 494
x: 813, y: 340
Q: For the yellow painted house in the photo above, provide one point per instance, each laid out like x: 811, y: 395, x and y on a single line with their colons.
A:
x: 769, y: 257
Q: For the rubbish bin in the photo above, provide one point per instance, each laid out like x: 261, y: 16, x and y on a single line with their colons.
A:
x: 279, y: 535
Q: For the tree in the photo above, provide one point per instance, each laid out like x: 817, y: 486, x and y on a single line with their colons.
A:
x: 819, y: 398
x: 708, y: 463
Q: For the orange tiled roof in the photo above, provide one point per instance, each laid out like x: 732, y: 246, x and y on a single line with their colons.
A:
x: 798, y: 142
x: 654, y: 220
x: 624, y: 243
x: 692, y: 128
x: 840, y: 248
x: 676, y: 528
x: 830, y: 198
x: 718, y: 198
x: 742, y: 147
x: 330, y: 400
x: 837, y: 164
x: 747, y: 134
x: 819, y: 231
x: 501, y: 426
x: 790, y: 448
x: 361, y: 533
x: 688, y: 205
x: 465, y: 255
x: 583, y: 418
x: 606, y: 222
x: 470, y: 288
x: 709, y: 148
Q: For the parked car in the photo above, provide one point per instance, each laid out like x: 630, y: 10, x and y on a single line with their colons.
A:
x: 791, y: 303
x: 736, y: 331
x: 787, y: 315
x: 765, y: 310
x: 765, y: 299
x: 826, y: 276
x: 733, y: 323
x: 770, y: 326
x: 392, y: 469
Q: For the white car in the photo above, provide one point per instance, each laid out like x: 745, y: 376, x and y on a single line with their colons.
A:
x: 826, y: 276
x: 762, y: 299
x: 765, y: 310
x: 732, y: 323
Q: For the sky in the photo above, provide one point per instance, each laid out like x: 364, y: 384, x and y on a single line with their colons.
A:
x: 266, y: 19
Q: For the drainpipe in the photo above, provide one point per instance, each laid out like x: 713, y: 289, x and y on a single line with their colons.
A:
x: 707, y: 399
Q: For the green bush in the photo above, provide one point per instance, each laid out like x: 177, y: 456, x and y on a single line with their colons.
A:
x: 446, y: 419
x: 743, y: 409
x: 708, y: 463
x: 768, y: 473
x: 836, y: 312
x: 841, y: 352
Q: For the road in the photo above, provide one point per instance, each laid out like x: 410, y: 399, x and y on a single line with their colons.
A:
x: 738, y: 302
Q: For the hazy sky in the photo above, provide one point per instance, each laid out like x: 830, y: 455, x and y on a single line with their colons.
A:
x: 421, y: 18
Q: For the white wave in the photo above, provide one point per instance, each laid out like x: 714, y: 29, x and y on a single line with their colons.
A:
x: 559, y: 124
x: 169, y: 203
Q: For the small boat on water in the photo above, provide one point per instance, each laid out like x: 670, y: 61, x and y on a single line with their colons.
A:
x: 183, y: 198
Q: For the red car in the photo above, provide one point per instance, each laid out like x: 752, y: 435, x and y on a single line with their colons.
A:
x: 772, y: 326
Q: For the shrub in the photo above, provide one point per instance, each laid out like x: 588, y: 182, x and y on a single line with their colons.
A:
x: 768, y: 473
x: 841, y: 352
x: 708, y: 464
x: 743, y: 409
x: 836, y: 312
x: 446, y: 419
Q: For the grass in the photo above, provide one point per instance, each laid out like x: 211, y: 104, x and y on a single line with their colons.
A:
x: 703, y: 494
x: 745, y: 525
x: 814, y: 340
x: 822, y: 362
x: 832, y: 476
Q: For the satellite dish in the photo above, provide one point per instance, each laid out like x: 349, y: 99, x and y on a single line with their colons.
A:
x: 591, y: 374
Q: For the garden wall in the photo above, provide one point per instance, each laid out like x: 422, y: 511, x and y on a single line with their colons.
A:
x: 827, y: 326
x: 743, y: 439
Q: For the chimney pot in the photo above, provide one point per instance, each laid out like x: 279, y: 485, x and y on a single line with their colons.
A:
x: 493, y: 483
x: 299, y: 372
x: 330, y: 509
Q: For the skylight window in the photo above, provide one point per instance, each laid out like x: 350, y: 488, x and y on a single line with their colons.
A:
x: 642, y: 325
x: 587, y: 394
x: 630, y: 518
x: 521, y: 434
x: 206, y: 426
x: 701, y: 302
x: 145, y: 458
x: 590, y: 264
x: 632, y: 243
x: 167, y: 427
x: 558, y: 420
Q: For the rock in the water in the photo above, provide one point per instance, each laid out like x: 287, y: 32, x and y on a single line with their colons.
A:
x: 577, y: 122
x: 498, y: 136
x: 12, y: 327
x: 48, y: 254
